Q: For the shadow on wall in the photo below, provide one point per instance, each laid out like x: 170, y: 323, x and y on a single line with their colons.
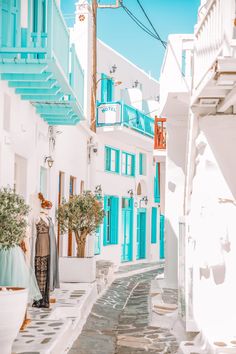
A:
x: 220, y: 133
x: 176, y: 144
x: 216, y: 271
x: 171, y: 253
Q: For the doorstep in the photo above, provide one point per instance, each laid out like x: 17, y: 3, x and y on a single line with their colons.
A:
x: 52, y: 331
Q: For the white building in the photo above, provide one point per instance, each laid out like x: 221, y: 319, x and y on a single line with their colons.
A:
x: 45, y: 94
x: 199, y: 103
x: 122, y: 155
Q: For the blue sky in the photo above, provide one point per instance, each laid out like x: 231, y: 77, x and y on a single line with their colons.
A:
x: 117, y: 29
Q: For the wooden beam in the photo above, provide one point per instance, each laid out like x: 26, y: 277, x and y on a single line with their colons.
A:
x: 229, y: 100
x: 43, y: 98
x: 32, y: 84
x: 22, y: 68
x: 26, y: 77
x: 53, y: 110
x: 38, y: 91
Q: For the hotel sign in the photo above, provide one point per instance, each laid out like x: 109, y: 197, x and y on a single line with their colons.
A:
x: 109, y: 113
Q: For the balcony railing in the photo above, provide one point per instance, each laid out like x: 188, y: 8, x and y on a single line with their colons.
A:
x: 160, y: 134
x: 214, y: 36
x: 119, y: 113
x: 37, y: 59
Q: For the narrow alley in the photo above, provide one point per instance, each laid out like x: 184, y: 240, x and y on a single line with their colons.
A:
x: 119, y: 321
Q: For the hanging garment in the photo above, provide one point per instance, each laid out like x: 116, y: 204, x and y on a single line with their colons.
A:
x: 15, y: 272
x: 42, y: 262
x: 54, y: 268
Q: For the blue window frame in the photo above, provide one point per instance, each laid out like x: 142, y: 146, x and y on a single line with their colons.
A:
x: 154, y: 226
x: 157, y: 184
x: 111, y: 220
x: 142, y: 164
x: 112, y: 159
x: 128, y: 164
x: 107, y: 89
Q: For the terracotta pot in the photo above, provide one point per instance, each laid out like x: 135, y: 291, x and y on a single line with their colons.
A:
x: 13, y: 305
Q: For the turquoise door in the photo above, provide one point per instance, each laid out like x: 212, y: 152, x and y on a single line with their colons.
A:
x: 97, y: 246
x: 141, y: 234
x: 162, y: 237
x: 127, y: 230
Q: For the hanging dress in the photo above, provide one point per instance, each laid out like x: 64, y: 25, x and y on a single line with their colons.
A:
x: 54, y: 268
x: 42, y: 263
x: 15, y: 272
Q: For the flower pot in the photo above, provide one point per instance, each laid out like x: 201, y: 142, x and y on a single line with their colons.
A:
x: 77, y: 270
x: 13, y: 305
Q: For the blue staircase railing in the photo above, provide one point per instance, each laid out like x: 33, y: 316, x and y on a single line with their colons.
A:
x: 37, y: 59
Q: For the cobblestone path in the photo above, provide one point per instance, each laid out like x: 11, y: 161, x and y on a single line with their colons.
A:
x: 119, y: 322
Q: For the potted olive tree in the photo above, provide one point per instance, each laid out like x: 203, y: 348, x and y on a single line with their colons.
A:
x: 82, y: 214
x: 13, y: 292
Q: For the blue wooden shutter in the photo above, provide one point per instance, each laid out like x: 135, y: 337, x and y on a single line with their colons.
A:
x: 154, y: 226
x: 107, y: 158
x: 117, y: 161
x: 105, y: 221
x: 133, y: 166
x: 110, y: 90
x: 104, y: 92
x: 162, y: 236
x: 156, y: 185
x: 114, y: 219
x: 140, y: 163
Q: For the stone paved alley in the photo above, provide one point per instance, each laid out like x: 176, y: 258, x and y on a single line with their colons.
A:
x: 119, y: 322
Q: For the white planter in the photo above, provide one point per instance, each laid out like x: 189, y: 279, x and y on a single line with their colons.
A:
x: 77, y: 270
x: 12, y: 311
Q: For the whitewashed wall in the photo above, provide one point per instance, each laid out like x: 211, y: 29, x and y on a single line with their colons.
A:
x: 27, y: 137
x: 212, y: 222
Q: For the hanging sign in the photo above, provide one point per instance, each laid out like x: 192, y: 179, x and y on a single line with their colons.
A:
x: 109, y: 113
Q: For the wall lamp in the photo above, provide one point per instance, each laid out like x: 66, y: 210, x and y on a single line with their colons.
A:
x: 113, y: 69
x: 98, y: 191
x: 49, y: 161
x: 145, y: 200
x: 131, y: 193
x: 136, y: 83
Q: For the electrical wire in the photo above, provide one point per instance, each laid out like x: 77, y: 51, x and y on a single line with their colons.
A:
x: 150, y: 22
x: 138, y: 22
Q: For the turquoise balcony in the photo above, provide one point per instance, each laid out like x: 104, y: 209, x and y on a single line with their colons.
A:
x: 121, y: 114
x: 37, y: 60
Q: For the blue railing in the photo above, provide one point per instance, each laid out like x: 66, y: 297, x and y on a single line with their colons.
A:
x: 128, y: 116
x: 42, y: 48
x: 77, y: 77
x: 60, y: 39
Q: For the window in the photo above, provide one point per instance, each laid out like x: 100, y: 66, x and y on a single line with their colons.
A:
x: 112, y: 159
x: 128, y: 164
x: 72, y: 186
x: 43, y: 181
x: 110, y: 226
x: 107, y: 89
x: 142, y: 164
x: 154, y: 226
x: 157, y: 184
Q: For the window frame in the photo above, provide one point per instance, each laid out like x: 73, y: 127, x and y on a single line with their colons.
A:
x: 108, y: 160
x: 133, y: 164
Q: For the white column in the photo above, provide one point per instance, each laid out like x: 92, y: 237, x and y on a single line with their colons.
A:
x: 175, y: 180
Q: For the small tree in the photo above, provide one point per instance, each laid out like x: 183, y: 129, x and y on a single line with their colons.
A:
x: 82, y: 214
x: 13, y: 212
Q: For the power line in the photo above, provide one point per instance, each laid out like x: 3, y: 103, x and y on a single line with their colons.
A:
x: 158, y: 36
x: 138, y: 22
